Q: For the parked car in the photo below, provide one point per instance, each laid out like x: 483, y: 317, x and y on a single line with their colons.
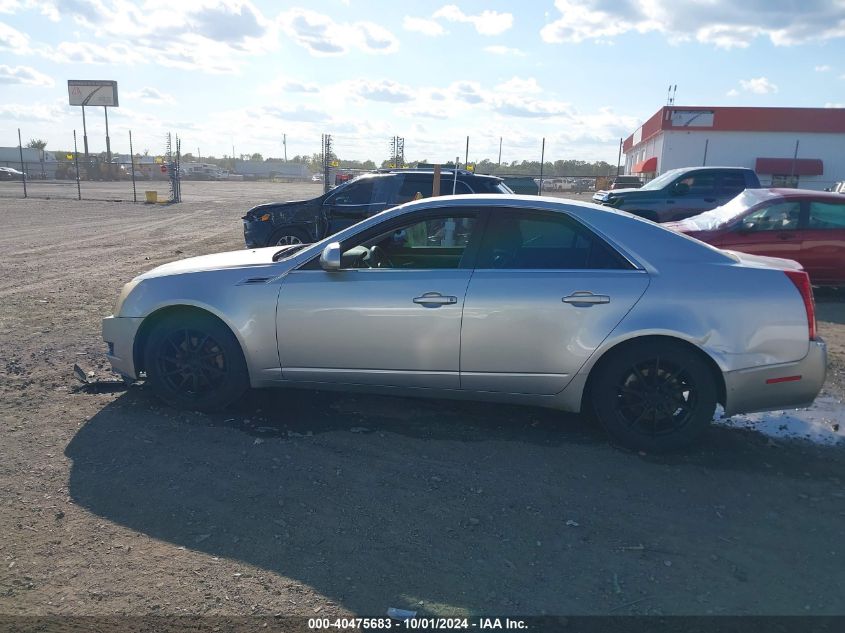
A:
x: 626, y: 182
x: 10, y: 173
x: 838, y: 187
x: 515, y: 299
x: 522, y: 185
x: 807, y: 226
x: 305, y: 221
x: 681, y: 193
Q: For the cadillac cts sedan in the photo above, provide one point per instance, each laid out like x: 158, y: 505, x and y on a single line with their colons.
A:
x: 514, y: 299
x: 803, y: 225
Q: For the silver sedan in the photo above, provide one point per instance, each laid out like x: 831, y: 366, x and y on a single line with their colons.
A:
x: 515, y: 299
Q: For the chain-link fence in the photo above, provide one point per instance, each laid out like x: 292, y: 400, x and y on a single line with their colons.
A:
x: 39, y: 172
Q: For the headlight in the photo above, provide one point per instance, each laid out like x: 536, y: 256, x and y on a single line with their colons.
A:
x: 127, y: 289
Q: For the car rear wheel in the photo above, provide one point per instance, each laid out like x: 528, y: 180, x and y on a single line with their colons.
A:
x: 288, y: 236
x: 193, y: 361
x: 656, y: 397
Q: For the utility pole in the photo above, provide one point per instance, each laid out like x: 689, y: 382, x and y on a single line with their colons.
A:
x: 108, y: 144
x: 466, y: 157
x: 500, y: 151
x: 542, y: 160
x: 619, y: 158
x: 285, y: 144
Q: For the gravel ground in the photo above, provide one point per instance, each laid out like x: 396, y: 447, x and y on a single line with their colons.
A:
x: 300, y: 504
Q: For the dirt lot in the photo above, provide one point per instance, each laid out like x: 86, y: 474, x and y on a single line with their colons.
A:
x: 304, y: 504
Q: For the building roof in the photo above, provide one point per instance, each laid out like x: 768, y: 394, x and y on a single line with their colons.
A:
x: 730, y: 119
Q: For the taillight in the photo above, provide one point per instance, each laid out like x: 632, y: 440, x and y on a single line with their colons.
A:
x: 802, y: 281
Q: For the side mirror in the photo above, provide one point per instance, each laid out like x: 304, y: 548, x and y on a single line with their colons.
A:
x: 330, y: 258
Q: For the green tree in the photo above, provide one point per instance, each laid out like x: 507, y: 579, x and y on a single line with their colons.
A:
x: 37, y: 143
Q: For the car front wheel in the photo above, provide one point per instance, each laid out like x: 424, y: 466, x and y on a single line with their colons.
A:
x: 655, y: 397
x: 193, y: 361
x: 288, y: 237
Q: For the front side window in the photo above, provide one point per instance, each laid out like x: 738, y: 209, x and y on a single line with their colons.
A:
x: 700, y: 184
x: 435, y: 242
x: 782, y: 216
x: 827, y: 215
x: 360, y: 192
x: 544, y: 242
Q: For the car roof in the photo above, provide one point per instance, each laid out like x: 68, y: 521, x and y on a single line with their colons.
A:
x: 783, y: 192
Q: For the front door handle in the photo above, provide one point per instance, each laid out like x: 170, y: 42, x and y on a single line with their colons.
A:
x: 435, y: 298
x: 585, y: 298
x: 786, y: 236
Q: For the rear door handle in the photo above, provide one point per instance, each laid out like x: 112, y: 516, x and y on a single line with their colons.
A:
x: 435, y: 298
x: 585, y: 298
x: 786, y: 236
x: 710, y: 200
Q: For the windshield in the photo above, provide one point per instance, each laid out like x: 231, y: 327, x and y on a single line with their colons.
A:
x: 728, y: 212
x: 660, y: 181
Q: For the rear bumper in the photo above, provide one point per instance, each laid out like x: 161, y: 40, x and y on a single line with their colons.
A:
x: 119, y: 333
x: 747, y: 389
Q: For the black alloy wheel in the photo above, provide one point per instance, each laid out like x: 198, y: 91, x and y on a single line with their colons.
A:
x: 655, y: 396
x: 193, y: 361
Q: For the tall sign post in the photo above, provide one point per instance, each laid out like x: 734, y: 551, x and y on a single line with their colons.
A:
x: 93, y: 93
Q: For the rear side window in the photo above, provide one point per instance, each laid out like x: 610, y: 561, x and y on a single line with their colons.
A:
x: 447, y: 184
x: 731, y: 184
x: 414, y: 189
x: 827, y: 215
x: 539, y: 241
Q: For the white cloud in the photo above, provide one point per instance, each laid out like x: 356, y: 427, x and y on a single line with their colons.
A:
x: 207, y: 35
x: 149, y: 94
x: 13, y: 40
x: 421, y: 25
x: 486, y: 23
x: 822, y: 69
x: 384, y: 90
x: 759, y: 86
x: 834, y: 105
x: 504, y: 50
x: 722, y: 23
x: 517, y: 85
x: 284, y: 85
x: 23, y: 75
x: 322, y: 36
x: 31, y: 112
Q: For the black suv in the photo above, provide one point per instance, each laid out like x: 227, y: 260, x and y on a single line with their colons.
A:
x: 681, y: 193
x: 305, y: 221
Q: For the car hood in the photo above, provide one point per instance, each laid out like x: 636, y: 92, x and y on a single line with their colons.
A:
x: 217, y: 261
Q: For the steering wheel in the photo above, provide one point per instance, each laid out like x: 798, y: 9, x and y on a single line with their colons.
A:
x: 377, y: 258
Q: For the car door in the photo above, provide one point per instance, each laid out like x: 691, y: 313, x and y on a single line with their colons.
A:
x: 771, y: 229
x: 357, y: 200
x: 392, y: 315
x: 690, y: 195
x: 545, y: 293
x: 823, y: 242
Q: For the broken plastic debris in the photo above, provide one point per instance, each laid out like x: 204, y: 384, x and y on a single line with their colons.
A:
x: 400, y: 614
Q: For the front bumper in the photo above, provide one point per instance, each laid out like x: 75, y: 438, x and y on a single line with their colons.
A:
x: 257, y: 233
x: 748, y: 391
x: 119, y: 333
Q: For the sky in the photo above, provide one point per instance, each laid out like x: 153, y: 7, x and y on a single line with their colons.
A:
x: 240, y: 76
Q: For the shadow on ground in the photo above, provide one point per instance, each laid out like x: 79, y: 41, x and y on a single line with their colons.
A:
x: 437, y: 507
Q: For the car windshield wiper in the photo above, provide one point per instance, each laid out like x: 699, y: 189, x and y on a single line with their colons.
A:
x: 287, y: 252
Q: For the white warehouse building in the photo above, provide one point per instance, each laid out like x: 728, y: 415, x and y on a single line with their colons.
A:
x: 787, y: 147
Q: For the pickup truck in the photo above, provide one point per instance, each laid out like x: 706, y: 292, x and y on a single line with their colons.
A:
x: 681, y: 193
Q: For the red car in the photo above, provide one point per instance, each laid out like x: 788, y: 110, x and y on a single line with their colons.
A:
x: 806, y: 226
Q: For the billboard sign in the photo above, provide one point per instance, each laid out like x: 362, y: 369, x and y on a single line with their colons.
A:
x: 92, y: 93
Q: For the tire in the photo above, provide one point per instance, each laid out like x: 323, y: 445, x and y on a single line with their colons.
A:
x: 288, y: 235
x: 193, y: 361
x: 655, y: 397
